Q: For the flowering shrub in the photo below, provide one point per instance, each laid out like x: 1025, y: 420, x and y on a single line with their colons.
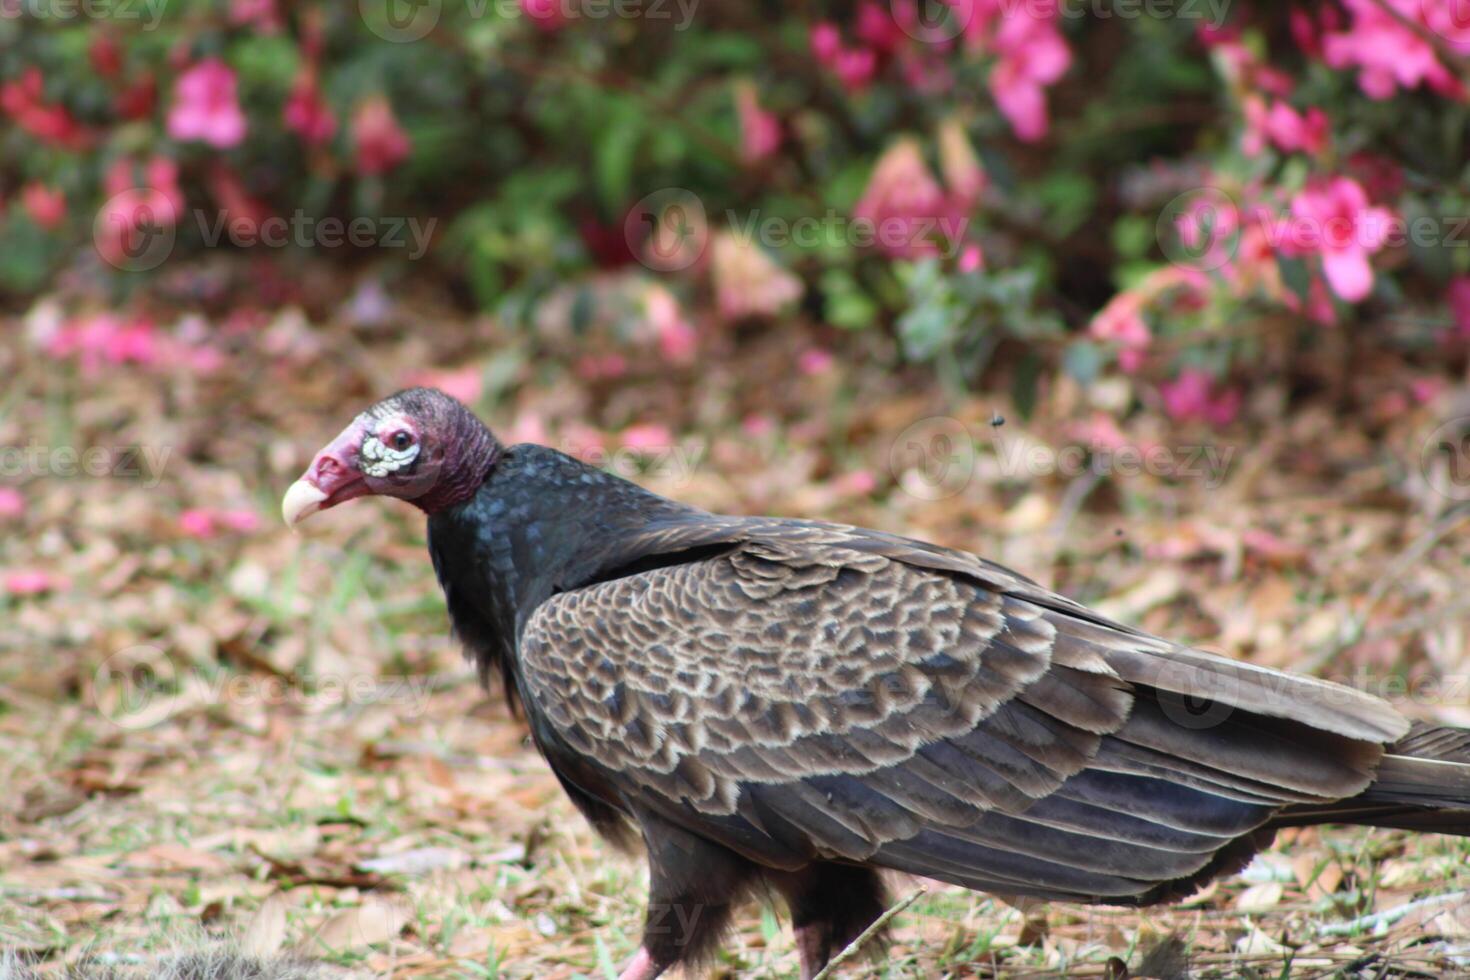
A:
x: 1140, y: 192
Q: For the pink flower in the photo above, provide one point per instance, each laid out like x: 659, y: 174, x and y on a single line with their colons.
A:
x: 971, y: 259
x: 647, y: 437
x: 105, y: 339
x: 306, y: 113
x: 12, y: 504
x: 204, y: 523
x: 878, y: 28
x: 206, y: 106
x: 1458, y: 297
x: 51, y: 124
x: 547, y: 14
x: 855, y: 67
x: 677, y: 340
x: 858, y: 483
x: 197, y: 523
x: 1032, y: 56
x: 760, y: 130
x: 1191, y: 397
x: 1120, y: 322
x: 130, y: 209
x: 1334, y: 218
x: 47, y: 207
x: 747, y: 281
x: 826, y: 42
x: 757, y: 425
x: 814, y: 360
x: 905, y: 205
x: 1283, y: 126
x: 465, y: 384
x: 240, y: 521
x: 1388, y: 54
x: 33, y: 582
x: 381, y: 144
x: 260, y: 14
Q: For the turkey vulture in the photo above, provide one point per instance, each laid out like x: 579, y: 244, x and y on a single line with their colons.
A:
x: 792, y: 706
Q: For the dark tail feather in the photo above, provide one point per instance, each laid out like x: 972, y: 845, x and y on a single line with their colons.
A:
x: 1423, y: 784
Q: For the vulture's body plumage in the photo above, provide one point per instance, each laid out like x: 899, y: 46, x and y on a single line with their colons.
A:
x: 794, y: 706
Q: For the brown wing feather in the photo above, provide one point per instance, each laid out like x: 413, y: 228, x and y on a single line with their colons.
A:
x: 849, y: 694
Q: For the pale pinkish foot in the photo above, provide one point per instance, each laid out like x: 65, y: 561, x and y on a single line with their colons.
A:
x: 640, y: 967
x: 809, y: 949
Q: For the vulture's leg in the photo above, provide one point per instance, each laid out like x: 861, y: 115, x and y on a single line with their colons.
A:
x: 694, y: 884
x: 831, y: 905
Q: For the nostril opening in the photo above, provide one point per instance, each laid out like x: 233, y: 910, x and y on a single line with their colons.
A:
x: 327, y: 466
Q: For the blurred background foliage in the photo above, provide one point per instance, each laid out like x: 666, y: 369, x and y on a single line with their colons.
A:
x: 1078, y: 187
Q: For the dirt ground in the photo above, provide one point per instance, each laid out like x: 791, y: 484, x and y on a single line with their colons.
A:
x: 214, y: 732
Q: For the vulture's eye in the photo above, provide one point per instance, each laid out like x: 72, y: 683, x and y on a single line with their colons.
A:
x: 402, y: 440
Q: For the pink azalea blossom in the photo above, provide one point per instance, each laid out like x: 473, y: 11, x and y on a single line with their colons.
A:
x: 971, y: 259
x: 130, y: 208
x: 814, y: 360
x: 1121, y: 322
x: 45, y: 205
x: 906, y: 206
x: 1191, y: 397
x: 545, y: 14
x: 1033, y: 55
x: 206, y: 106
x: 760, y: 130
x: 21, y: 99
x: 855, y: 67
x: 1458, y: 297
x: 240, y: 521
x: 826, y: 43
x: 1426, y: 390
x: 380, y: 143
x: 260, y: 14
x: 647, y: 437
x: 1387, y: 52
x: 465, y: 384
x: 205, y: 522
x: 747, y: 281
x: 677, y: 340
x: 104, y: 338
x: 32, y: 581
x: 757, y: 425
x: 1280, y: 124
x: 197, y: 523
x: 1333, y: 217
x: 877, y: 27
x: 858, y: 483
x: 306, y: 113
x: 12, y: 504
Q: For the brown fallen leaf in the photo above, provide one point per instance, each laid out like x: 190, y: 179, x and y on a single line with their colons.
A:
x: 374, y: 921
x: 266, y: 933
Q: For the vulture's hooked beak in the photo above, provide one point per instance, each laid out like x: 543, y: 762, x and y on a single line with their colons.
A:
x: 332, y: 478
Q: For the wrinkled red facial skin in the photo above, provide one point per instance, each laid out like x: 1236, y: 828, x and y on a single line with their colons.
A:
x: 334, y: 470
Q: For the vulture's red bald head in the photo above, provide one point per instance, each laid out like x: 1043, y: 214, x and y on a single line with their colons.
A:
x: 419, y: 445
